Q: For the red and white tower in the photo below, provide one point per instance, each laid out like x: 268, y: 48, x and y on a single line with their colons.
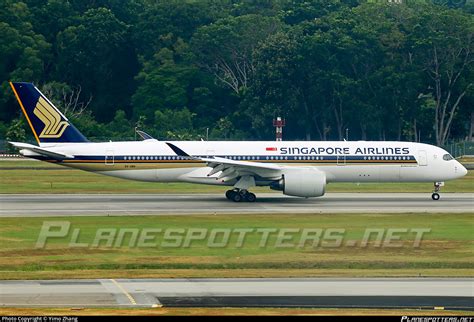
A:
x: 279, y: 123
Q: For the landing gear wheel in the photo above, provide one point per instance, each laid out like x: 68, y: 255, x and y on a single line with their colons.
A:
x: 236, y: 197
x: 250, y: 197
x: 240, y: 195
x: 437, y: 188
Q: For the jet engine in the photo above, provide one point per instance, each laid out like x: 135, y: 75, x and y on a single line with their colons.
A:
x: 301, y: 182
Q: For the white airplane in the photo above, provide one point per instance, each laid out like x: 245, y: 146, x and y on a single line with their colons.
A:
x: 300, y: 168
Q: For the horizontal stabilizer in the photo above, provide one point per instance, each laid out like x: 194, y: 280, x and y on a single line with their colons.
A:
x: 41, y: 151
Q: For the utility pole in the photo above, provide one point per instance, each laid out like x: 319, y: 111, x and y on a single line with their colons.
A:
x: 279, y: 123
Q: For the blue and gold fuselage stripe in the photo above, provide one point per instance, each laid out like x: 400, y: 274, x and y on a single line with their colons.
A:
x: 134, y: 159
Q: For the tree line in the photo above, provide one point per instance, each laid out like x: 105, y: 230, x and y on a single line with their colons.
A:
x: 182, y: 69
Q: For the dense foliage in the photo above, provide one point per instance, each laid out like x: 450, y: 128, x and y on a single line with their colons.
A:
x: 179, y: 68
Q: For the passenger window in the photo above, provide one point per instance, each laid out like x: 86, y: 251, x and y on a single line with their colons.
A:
x: 447, y: 157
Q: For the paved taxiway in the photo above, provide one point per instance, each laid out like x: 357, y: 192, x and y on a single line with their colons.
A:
x: 139, y: 204
x: 303, y: 292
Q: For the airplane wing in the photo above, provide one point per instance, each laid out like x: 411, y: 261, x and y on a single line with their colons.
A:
x: 41, y: 151
x: 231, y: 169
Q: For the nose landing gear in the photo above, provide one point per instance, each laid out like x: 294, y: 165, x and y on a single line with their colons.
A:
x: 238, y: 195
x: 437, y: 188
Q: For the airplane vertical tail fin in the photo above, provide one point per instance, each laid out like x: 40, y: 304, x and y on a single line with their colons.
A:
x: 48, y: 124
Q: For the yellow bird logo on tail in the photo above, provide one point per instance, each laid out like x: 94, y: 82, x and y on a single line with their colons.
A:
x: 53, y: 126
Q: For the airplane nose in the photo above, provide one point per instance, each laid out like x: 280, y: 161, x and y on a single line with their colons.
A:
x: 460, y: 170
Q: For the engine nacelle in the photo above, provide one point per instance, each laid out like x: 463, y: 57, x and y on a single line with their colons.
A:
x: 302, y: 182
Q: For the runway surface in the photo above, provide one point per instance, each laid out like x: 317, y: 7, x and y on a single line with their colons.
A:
x: 305, y: 292
x: 131, y: 204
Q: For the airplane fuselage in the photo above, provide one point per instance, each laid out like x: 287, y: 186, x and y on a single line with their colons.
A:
x: 299, y: 169
x: 341, y: 161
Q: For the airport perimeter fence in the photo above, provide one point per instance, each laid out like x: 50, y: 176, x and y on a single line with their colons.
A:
x: 459, y: 149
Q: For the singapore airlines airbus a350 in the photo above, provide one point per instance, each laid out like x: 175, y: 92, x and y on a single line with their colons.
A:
x: 296, y: 168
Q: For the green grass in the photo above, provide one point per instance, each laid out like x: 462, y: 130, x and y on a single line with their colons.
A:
x: 446, y: 251
x: 39, y: 177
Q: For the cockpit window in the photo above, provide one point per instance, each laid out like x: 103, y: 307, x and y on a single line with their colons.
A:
x: 447, y: 157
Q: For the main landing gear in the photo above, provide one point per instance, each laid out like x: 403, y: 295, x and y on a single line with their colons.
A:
x: 437, y: 188
x: 238, y: 195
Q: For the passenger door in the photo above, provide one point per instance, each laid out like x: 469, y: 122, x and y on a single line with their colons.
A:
x: 341, y: 160
x: 422, y: 158
x: 109, y: 157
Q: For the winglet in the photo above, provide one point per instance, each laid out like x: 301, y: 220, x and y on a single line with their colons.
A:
x: 144, y: 135
x: 178, y: 151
